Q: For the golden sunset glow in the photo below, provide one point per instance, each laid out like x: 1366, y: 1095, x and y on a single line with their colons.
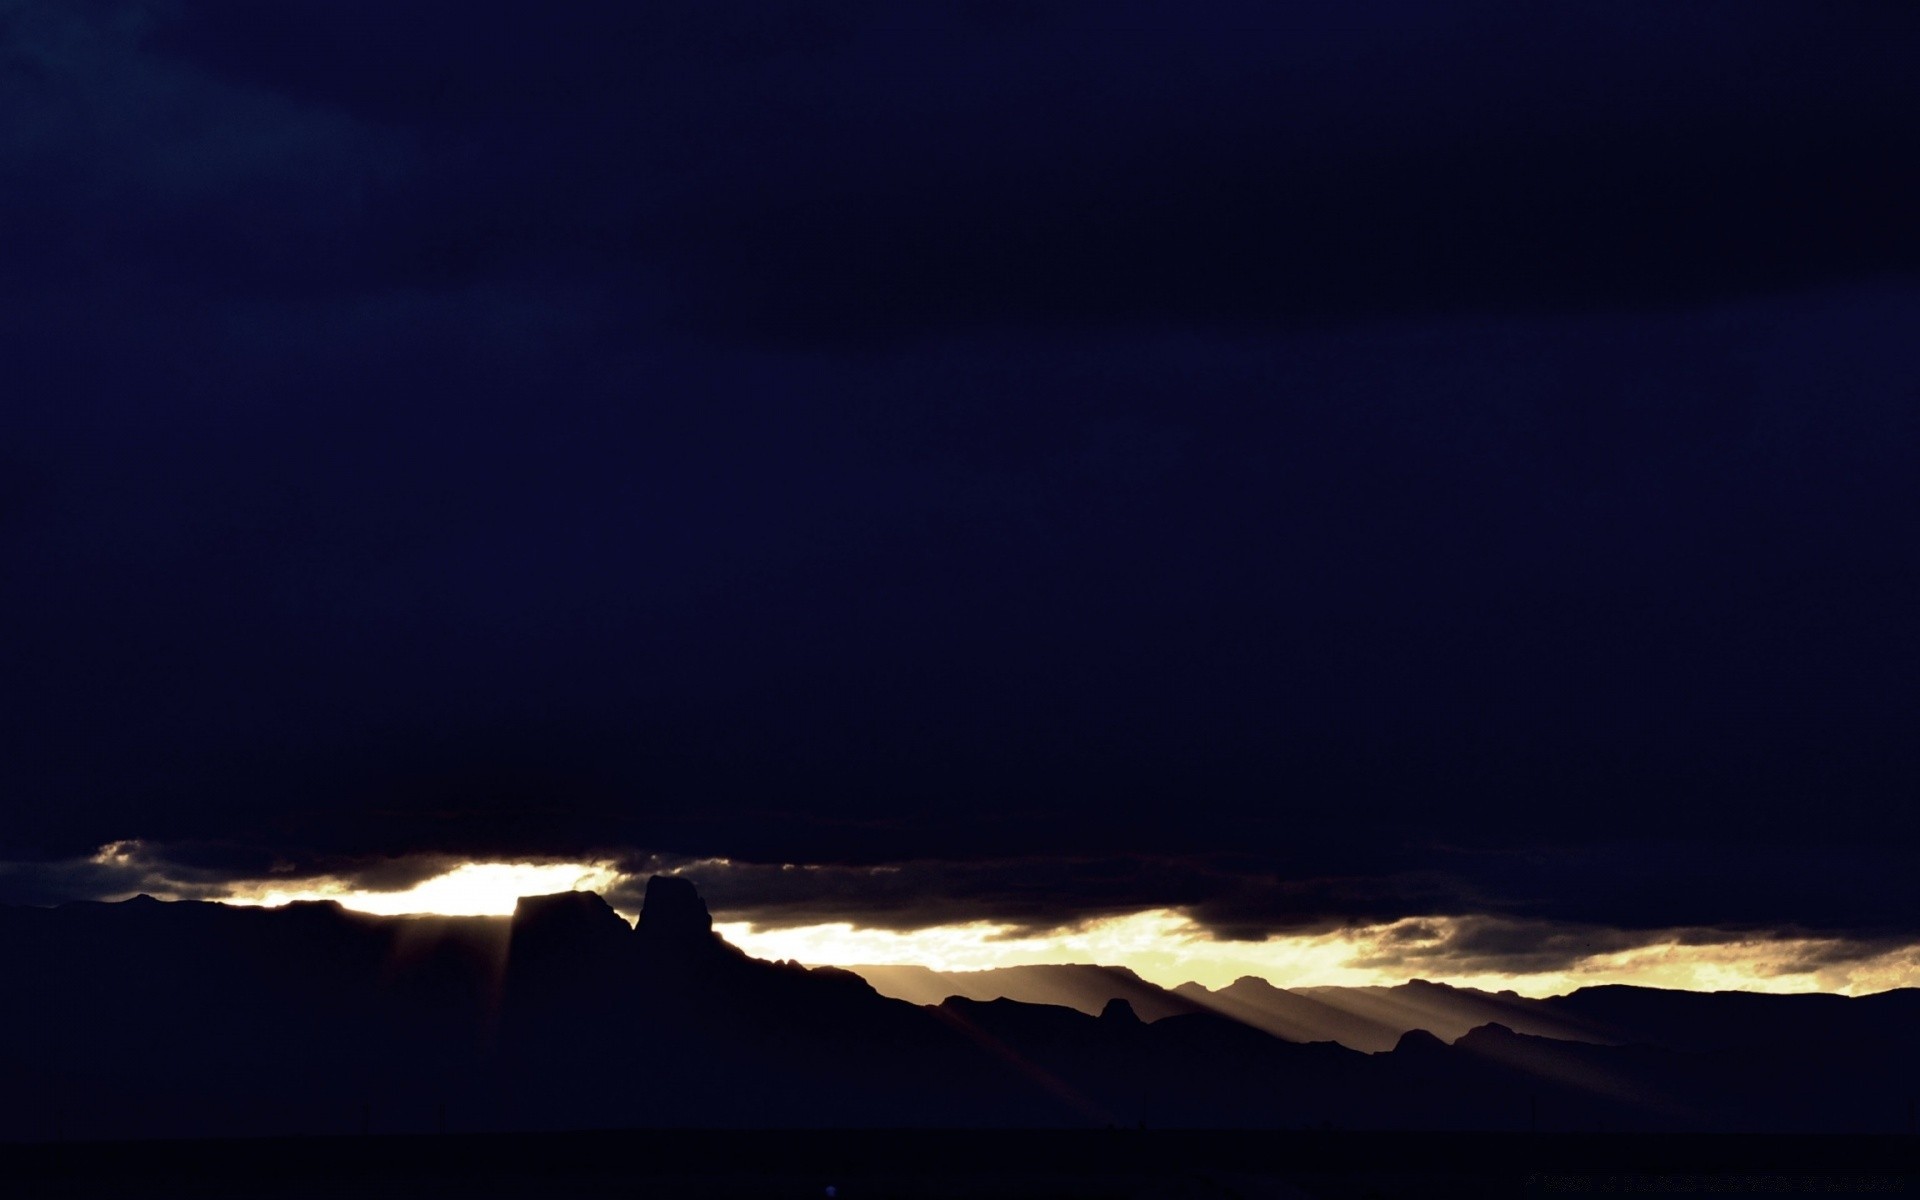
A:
x: 477, y: 889
x: 1160, y: 945
x: 1165, y: 947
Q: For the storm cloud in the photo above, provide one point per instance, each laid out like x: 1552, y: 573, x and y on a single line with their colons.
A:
x: 981, y: 461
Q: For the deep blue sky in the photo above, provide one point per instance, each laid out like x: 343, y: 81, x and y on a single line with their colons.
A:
x: 1299, y: 461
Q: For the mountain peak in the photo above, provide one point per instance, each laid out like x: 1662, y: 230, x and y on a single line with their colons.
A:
x: 1119, y: 1012
x: 674, y: 911
x: 564, y: 922
x: 1493, y: 1033
x: 1418, y: 1041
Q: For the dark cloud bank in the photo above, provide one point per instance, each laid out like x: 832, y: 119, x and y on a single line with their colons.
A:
x: 1425, y: 459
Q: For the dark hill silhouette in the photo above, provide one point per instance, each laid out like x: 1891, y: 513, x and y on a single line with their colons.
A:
x: 668, y: 1024
x: 1725, y: 1020
x: 150, y: 1019
x: 1373, y: 1018
x: 1076, y: 985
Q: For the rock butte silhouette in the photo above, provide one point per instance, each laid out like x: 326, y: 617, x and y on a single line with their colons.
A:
x: 160, y: 1019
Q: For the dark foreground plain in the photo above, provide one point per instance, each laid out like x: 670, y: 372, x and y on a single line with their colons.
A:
x: 1004, y: 1164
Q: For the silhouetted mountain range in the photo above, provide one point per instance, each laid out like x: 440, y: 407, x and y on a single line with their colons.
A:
x: 1084, y: 986
x: 1374, y: 1019
x: 145, y: 1019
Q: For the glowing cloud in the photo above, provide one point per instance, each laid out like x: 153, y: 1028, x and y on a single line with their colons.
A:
x: 475, y: 889
x: 1162, y: 945
x: 1166, y: 947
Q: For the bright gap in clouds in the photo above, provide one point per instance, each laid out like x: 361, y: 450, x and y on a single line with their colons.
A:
x: 1168, y: 948
x: 1162, y: 946
x: 477, y: 889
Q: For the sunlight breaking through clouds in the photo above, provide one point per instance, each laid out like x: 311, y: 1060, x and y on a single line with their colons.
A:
x: 1166, y: 947
x: 475, y: 889
x: 1162, y: 945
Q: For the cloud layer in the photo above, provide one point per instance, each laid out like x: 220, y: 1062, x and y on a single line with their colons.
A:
x: 1002, y: 462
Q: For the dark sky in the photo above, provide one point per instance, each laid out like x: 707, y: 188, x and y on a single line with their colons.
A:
x: 1300, y: 462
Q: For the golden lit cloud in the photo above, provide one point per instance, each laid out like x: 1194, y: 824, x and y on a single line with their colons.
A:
x: 1166, y: 947
x: 475, y: 889
x: 1163, y: 946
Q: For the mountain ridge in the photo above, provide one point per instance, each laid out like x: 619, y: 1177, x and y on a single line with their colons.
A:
x: 173, y: 1019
